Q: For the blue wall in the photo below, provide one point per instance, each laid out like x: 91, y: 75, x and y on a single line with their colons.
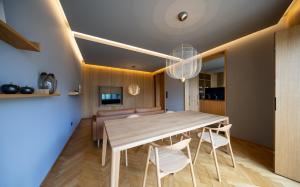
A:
x: 34, y: 131
x: 175, y: 89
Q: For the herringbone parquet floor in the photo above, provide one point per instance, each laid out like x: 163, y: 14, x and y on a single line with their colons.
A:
x: 79, y: 166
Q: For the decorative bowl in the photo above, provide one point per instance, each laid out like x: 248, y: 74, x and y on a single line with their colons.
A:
x: 10, y: 88
x: 26, y: 90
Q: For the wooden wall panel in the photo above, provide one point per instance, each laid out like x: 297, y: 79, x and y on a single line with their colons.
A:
x: 160, y: 90
x: 139, y: 99
x: 117, y: 78
x: 212, y: 107
x: 157, y: 90
x: 85, y: 89
x: 148, y: 90
x: 287, y: 120
x: 94, y: 76
x: 129, y: 102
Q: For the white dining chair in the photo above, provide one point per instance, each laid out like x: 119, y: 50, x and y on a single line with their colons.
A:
x: 214, y: 137
x: 169, y: 159
x: 126, y: 155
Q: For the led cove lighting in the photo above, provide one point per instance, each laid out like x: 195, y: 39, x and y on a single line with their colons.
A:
x: 122, y: 45
x: 217, y: 49
x: 59, y: 12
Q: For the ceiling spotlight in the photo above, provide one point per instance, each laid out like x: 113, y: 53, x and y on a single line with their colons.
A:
x: 182, y: 16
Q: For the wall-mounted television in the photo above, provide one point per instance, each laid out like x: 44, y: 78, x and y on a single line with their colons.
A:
x: 109, y: 95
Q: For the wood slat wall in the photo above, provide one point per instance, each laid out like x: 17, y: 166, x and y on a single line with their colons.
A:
x: 287, y: 124
x: 94, y: 76
x: 160, y: 90
x: 212, y: 107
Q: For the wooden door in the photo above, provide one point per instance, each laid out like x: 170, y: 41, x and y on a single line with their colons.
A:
x: 287, y: 115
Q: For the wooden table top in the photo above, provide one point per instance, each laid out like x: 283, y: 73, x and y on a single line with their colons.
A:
x: 131, y: 132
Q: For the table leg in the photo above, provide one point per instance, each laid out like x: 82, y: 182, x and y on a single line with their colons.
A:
x: 104, y: 146
x: 115, y: 169
x: 227, y: 122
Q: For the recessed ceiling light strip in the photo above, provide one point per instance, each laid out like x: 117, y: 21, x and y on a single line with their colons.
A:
x: 59, y: 11
x: 123, y: 46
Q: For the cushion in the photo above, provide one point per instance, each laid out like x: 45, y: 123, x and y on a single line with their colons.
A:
x: 150, y: 109
x: 115, y: 112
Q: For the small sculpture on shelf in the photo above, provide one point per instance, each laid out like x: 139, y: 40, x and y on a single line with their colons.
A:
x: 47, y: 81
x: 76, y: 91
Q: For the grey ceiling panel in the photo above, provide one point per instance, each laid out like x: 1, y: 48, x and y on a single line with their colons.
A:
x: 98, y: 54
x: 152, y: 24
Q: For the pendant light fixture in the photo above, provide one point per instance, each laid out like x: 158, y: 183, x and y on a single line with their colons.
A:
x: 134, y: 89
x: 189, y: 65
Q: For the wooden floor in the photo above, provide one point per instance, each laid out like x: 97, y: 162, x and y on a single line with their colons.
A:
x: 79, y: 165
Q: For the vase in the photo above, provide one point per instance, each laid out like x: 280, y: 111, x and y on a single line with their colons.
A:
x: 41, y: 81
x: 50, y: 83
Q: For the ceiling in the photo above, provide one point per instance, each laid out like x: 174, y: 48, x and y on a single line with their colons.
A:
x: 153, y: 25
x: 213, y: 66
x: 115, y: 57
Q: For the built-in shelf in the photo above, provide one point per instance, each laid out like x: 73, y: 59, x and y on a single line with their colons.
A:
x: 12, y: 37
x: 20, y: 96
x: 73, y: 93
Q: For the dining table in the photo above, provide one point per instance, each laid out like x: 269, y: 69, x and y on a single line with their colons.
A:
x: 126, y: 133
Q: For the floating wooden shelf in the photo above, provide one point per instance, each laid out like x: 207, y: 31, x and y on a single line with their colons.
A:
x: 20, y: 96
x: 73, y: 93
x: 12, y: 37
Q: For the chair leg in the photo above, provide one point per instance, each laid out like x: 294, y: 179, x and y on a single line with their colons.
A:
x: 98, y: 143
x: 231, y: 153
x: 215, y: 155
x: 171, y: 140
x: 126, y: 158
x: 181, y: 138
x: 193, y: 174
x: 191, y: 166
x: 197, y: 152
x: 157, y: 167
x: 216, y: 163
x: 198, y: 148
x: 147, y: 166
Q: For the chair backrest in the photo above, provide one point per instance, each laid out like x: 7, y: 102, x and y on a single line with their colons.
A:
x: 225, y: 128
x: 133, y: 116
x: 180, y: 145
